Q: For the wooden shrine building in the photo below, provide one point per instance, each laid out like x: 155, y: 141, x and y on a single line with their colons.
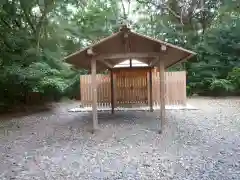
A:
x: 126, y: 44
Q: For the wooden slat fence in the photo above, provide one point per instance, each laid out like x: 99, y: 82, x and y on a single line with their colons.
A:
x: 175, y: 88
x: 103, y: 91
x: 138, y: 89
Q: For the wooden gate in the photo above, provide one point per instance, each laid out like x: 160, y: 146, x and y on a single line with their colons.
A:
x: 131, y: 86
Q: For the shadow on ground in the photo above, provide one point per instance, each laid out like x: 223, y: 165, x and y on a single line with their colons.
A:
x: 25, y: 110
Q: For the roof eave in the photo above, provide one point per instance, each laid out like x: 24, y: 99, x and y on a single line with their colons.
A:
x: 189, y: 56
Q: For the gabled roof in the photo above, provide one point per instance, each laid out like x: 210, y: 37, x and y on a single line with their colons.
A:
x: 127, y: 42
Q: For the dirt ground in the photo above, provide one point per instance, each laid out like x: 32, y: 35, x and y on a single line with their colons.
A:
x: 56, y: 144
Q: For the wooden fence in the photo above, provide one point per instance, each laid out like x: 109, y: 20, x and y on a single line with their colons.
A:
x: 136, y: 89
x: 175, y: 88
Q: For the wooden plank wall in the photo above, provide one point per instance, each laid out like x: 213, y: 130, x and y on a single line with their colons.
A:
x: 137, y: 85
x: 103, y: 91
x: 131, y: 86
x: 175, y: 88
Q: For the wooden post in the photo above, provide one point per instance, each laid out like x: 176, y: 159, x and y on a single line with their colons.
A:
x: 162, y: 94
x: 185, y: 88
x: 115, y: 90
x: 148, y: 87
x: 150, y: 97
x: 150, y: 90
x: 112, y: 91
x: 94, y: 94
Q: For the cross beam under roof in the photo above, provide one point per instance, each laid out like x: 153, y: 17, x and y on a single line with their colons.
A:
x: 127, y: 55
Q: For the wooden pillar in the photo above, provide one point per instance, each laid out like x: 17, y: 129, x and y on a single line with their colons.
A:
x: 150, y: 99
x: 112, y: 91
x: 94, y: 94
x: 162, y: 94
x: 148, y: 88
x: 115, y: 90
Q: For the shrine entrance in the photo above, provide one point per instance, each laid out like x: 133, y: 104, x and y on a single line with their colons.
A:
x: 131, y: 86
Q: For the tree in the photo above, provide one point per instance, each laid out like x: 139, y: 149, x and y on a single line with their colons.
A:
x: 36, y: 35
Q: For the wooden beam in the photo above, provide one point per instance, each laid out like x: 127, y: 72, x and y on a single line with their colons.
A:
x: 157, y: 59
x: 127, y: 55
x: 94, y: 94
x: 154, y: 62
x: 127, y: 68
x: 112, y: 91
x: 162, y: 94
x: 105, y: 62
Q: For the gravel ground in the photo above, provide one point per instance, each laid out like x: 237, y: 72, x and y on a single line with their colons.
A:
x: 195, y: 144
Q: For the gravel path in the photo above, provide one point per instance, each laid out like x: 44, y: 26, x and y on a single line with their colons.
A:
x: 56, y: 145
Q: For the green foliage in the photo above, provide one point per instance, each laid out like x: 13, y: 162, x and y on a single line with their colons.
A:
x: 218, y: 54
x: 189, y: 91
x: 221, y: 84
x: 234, y: 78
x: 36, y: 35
x: 212, y: 32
